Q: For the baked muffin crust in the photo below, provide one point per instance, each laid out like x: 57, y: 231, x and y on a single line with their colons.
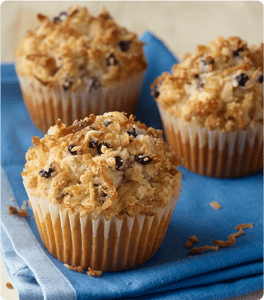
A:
x: 76, y: 48
x: 218, y: 86
x: 108, y: 165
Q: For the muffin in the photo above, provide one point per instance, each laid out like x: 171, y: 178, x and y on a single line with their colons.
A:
x: 75, y: 64
x: 102, y: 190
x: 211, y: 107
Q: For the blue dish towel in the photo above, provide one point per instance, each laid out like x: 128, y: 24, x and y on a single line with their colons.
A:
x: 170, y: 273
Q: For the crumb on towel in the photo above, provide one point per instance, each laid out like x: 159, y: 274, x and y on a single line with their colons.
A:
x: 14, y: 211
x: 9, y: 285
x: 215, y: 205
x: 94, y: 273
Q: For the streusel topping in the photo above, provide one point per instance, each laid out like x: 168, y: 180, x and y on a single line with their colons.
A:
x: 218, y: 86
x: 75, y: 48
x: 109, y: 165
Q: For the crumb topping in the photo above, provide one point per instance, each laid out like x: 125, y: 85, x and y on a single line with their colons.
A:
x: 109, y: 165
x: 218, y: 86
x: 76, y: 48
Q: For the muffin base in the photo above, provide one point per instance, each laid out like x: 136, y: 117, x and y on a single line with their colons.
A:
x: 215, y: 153
x: 47, y: 104
x: 118, y: 244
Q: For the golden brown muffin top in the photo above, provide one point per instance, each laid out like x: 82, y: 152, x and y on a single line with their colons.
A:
x: 75, y: 48
x: 218, y: 86
x: 109, y: 165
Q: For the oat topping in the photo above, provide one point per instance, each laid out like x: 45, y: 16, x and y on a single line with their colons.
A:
x: 76, y: 48
x: 218, y: 86
x: 109, y: 165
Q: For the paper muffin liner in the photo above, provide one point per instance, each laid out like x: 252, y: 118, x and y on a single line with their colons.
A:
x: 118, y: 244
x: 215, y: 153
x: 48, y: 104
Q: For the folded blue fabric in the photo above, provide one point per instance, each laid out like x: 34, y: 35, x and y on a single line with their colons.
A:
x: 170, y: 273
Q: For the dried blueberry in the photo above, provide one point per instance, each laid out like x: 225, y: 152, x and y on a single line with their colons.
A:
x: 200, y: 84
x: 124, y: 45
x: 60, y: 17
x: 156, y: 94
x: 99, y: 148
x: 242, y: 79
x: 119, y: 162
x: 143, y: 159
x: 67, y: 84
x: 93, y: 143
x: 196, y: 76
x: 45, y: 174
x: 111, y: 61
x: 70, y: 150
x: 207, y: 64
x: 107, y: 123
x: 81, y: 67
x: 260, y: 78
x: 132, y: 132
x: 236, y: 52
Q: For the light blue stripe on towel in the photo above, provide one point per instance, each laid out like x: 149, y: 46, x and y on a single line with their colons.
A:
x: 53, y: 284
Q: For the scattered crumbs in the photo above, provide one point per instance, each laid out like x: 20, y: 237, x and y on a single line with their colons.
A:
x: 12, y: 199
x: 23, y: 207
x: 78, y: 269
x: 29, y: 203
x: 198, y: 250
x: 31, y: 218
x: 188, y: 244
x: 14, y: 211
x: 194, y: 239
x: 244, y: 226
x: 215, y: 205
x: 9, y: 285
x: 25, y: 202
x: 231, y: 240
x: 94, y: 273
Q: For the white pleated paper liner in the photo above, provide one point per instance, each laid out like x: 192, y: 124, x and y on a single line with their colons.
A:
x: 118, y: 244
x: 215, y: 153
x: 48, y: 104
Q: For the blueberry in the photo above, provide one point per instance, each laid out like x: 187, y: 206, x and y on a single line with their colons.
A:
x: 111, y: 61
x: 93, y: 143
x: 70, y: 150
x: 99, y: 148
x: 200, y: 83
x: 242, y: 79
x: 107, y: 123
x: 132, y: 132
x: 95, y: 85
x: 45, y: 174
x: 143, y: 159
x: 236, y: 52
x: 60, y: 17
x: 124, y: 45
x: 156, y: 94
x: 196, y: 76
x: 67, y: 84
x: 260, y: 78
x: 119, y: 162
